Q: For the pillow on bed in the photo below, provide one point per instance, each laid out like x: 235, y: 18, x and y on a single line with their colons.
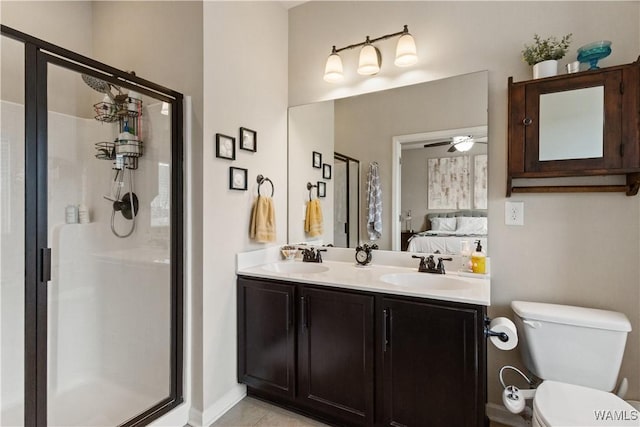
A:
x: 471, y: 225
x: 443, y: 224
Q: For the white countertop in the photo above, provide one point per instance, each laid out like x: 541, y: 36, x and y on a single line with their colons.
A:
x: 348, y: 275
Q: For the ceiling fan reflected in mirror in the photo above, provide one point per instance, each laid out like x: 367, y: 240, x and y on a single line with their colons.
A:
x: 460, y: 143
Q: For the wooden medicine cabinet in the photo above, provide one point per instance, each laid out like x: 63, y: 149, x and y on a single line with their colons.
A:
x: 580, y: 124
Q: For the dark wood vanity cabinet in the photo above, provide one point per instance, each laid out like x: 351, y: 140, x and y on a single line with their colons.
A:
x: 434, y: 365
x: 335, y: 354
x: 266, y: 336
x: 361, y: 358
x: 581, y: 124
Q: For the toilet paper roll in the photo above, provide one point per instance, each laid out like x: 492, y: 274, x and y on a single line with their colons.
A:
x: 502, y: 324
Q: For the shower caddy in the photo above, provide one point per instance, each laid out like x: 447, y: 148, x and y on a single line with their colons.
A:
x: 127, y: 113
x: 124, y: 152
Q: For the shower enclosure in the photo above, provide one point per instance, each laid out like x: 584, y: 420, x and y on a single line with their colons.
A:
x: 346, y: 201
x: 91, y: 242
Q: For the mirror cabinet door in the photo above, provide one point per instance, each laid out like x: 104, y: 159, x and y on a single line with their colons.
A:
x: 574, y: 124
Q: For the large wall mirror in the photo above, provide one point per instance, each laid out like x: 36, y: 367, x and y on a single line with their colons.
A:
x: 415, y: 136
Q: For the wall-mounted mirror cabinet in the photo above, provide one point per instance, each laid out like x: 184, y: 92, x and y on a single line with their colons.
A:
x: 582, y: 124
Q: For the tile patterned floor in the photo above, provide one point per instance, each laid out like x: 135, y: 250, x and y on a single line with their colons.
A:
x: 251, y: 412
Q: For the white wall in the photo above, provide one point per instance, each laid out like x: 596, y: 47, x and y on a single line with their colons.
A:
x: 245, y: 69
x: 310, y: 129
x: 574, y: 248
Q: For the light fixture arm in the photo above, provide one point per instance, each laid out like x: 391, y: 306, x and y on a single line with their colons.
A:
x: 371, y: 41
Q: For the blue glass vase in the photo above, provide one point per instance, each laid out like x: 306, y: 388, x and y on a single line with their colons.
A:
x: 593, y: 52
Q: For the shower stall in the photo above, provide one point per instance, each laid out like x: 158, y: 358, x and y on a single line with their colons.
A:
x: 91, y: 243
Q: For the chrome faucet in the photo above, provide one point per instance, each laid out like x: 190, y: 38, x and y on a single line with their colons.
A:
x: 312, y: 254
x: 428, y: 264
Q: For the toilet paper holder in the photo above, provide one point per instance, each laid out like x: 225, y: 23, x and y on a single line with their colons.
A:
x: 489, y: 333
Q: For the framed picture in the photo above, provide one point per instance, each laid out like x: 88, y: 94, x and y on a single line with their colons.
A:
x: 448, y: 183
x: 322, y: 189
x: 225, y: 147
x: 237, y: 178
x: 317, y: 160
x: 326, y: 171
x: 248, y: 139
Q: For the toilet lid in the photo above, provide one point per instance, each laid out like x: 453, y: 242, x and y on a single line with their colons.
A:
x: 560, y: 404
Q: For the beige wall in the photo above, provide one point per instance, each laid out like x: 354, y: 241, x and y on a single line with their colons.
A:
x: 65, y: 23
x: 245, y: 64
x: 366, y: 124
x: 574, y: 248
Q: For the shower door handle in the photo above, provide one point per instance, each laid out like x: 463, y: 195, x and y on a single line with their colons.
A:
x: 45, y: 255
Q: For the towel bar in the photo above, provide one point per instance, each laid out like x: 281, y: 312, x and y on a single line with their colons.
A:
x: 261, y: 180
x: 309, y: 187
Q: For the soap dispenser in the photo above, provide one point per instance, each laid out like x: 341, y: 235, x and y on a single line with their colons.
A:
x: 478, y: 259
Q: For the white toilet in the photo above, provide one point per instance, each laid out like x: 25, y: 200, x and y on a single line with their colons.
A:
x: 577, y: 353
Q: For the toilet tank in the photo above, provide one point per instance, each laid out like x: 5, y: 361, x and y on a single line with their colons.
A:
x: 575, y: 345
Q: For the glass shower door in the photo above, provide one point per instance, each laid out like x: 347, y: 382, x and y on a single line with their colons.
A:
x: 109, y: 349
x: 340, y: 204
x: 12, y: 236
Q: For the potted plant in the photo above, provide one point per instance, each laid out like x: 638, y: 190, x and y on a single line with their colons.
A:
x: 543, y: 54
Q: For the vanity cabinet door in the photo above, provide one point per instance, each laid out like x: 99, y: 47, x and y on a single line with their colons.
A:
x: 335, y: 365
x: 266, y: 336
x: 434, y: 358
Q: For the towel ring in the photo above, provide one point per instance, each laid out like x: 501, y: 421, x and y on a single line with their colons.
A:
x: 309, y: 187
x: 261, y: 180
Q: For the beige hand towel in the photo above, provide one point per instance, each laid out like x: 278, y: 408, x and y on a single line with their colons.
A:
x: 263, y: 220
x: 313, y: 220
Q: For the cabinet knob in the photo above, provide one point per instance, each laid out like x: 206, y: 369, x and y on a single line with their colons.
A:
x: 527, y: 121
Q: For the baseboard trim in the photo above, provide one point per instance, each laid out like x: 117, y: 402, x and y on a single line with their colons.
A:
x: 195, y: 418
x: 500, y: 414
x: 218, y: 408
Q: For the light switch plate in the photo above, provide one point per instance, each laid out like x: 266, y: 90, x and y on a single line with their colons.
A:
x: 514, y: 213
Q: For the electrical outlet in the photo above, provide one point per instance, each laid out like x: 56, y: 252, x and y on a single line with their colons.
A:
x: 514, y: 213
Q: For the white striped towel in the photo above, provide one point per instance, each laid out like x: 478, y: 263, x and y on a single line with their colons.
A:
x: 374, y: 202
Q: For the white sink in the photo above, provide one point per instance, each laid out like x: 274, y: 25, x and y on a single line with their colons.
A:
x: 434, y: 282
x: 295, y: 267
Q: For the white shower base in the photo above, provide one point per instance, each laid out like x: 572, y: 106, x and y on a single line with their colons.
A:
x: 96, y: 403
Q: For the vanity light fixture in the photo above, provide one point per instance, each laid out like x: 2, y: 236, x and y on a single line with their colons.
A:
x: 370, y: 58
x: 463, y: 143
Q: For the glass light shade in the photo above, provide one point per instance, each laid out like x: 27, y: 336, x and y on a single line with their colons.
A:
x: 406, y: 51
x: 333, y: 69
x: 463, y: 143
x: 369, y: 62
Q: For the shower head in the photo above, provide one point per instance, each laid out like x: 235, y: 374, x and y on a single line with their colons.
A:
x: 101, y: 86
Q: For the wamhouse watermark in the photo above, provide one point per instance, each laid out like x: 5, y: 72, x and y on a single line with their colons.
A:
x: 620, y: 415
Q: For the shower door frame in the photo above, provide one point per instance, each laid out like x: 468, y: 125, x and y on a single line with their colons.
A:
x: 38, y: 55
x: 349, y: 160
